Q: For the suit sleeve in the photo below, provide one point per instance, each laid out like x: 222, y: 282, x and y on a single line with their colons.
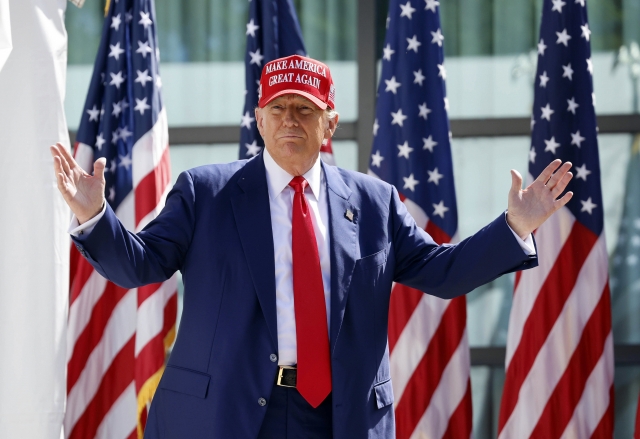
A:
x: 153, y: 255
x: 449, y: 271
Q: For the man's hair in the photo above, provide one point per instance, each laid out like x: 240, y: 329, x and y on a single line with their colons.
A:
x: 330, y: 113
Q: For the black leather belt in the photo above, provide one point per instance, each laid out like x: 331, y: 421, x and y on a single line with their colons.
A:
x: 287, y: 376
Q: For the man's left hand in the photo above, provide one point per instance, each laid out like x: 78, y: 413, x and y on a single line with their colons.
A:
x: 530, y: 207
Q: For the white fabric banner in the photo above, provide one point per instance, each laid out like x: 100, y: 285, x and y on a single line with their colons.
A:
x: 5, y: 32
x: 34, y: 252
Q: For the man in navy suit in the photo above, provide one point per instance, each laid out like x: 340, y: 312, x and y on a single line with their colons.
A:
x: 288, y: 266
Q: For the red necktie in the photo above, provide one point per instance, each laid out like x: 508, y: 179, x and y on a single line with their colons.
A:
x: 312, y: 335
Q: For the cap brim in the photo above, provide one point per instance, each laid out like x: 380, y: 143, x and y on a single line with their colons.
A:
x: 312, y: 98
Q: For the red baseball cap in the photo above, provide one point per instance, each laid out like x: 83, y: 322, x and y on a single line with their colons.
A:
x: 299, y: 75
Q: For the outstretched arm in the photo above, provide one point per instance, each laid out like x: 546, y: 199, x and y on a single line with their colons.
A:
x: 84, y: 193
x: 530, y: 207
x: 448, y: 271
x: 125, y: 258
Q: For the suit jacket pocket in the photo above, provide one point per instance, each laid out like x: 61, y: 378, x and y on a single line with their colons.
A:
x: 186, y: 381
x: 372, y: 261
x: 384, y: 394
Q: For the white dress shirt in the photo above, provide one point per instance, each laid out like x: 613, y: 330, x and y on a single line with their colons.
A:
x: 281, y: 202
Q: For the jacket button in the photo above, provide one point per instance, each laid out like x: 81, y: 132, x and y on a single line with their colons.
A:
x: 273, y: 358
x: 262, y: 402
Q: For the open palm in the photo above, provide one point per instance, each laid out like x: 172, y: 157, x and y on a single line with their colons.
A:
x: 84, y: 193
x: 530, y: 207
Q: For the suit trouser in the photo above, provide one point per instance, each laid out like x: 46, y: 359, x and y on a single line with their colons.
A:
x: 289, y: 416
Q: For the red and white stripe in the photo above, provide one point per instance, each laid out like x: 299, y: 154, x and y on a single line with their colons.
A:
x: 429, y: 358
x: 117, y: 338
x: 559, y: 363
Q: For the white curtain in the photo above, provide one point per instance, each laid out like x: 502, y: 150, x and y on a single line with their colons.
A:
x: 34, y: 247
x: 5, y: 32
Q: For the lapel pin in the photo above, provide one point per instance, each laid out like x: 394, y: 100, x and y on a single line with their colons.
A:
x: 349, y: 215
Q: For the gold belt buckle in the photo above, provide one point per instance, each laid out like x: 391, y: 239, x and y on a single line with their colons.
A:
x: 280, y: 372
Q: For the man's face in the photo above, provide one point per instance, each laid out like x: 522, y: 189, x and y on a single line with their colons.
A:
x: 293, y: 129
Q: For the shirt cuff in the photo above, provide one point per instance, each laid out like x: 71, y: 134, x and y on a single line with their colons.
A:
x: 527, y: 244
x: 76, y: 229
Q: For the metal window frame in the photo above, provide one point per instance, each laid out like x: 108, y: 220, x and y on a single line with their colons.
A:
x: 494, y: 356
x: 361, y: 132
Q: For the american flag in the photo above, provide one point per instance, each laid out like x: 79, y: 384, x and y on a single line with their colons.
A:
x: 118, y: 338
x: 411, y: 150
x: 272, y: 32
x: 559, y: 365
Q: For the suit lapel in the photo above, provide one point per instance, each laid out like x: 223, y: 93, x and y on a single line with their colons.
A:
x: 343, y: 233
x: 253, y: 218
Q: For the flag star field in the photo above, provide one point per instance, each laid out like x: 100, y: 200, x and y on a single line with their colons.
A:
x: 411, y: 147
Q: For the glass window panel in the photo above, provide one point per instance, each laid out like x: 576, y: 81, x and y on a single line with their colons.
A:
x: 482, y: 177
x: 494, y: 27
x: 470, y: 22
x: 346, y: 153
x: 606, y: 24
x: 84, y: 28
x: 201, y: 30
x: 212, y: 93
x: 345, y: 77
x: 627, y: 389
x: 481, y: 396
x: 486, y: 384
x: 623, y: 268
x: 630, y: 19
x: 614, y: 150
x: 515, y: 36
x: 202, y: 44
x: 488, y: 309
x: 185, y: 157
x: 214, y: 30
x: 208, y: 93
x: 78, y: 78
x: 329, y: 28
x: 502, y: 86
x: 491, y: 61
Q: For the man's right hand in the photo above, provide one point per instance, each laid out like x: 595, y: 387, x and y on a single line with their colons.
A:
x: 83, y: 193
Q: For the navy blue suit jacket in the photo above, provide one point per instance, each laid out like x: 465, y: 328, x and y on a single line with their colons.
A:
x: 216, y: 229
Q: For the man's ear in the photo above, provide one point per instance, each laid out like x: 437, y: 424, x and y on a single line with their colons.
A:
x: 332, y: 124
x: 259, y: 119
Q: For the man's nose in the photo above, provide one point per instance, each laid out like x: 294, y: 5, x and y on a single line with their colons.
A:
x: 290, y: 116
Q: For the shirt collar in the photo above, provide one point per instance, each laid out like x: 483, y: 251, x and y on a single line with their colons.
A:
x: 278, y: 178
